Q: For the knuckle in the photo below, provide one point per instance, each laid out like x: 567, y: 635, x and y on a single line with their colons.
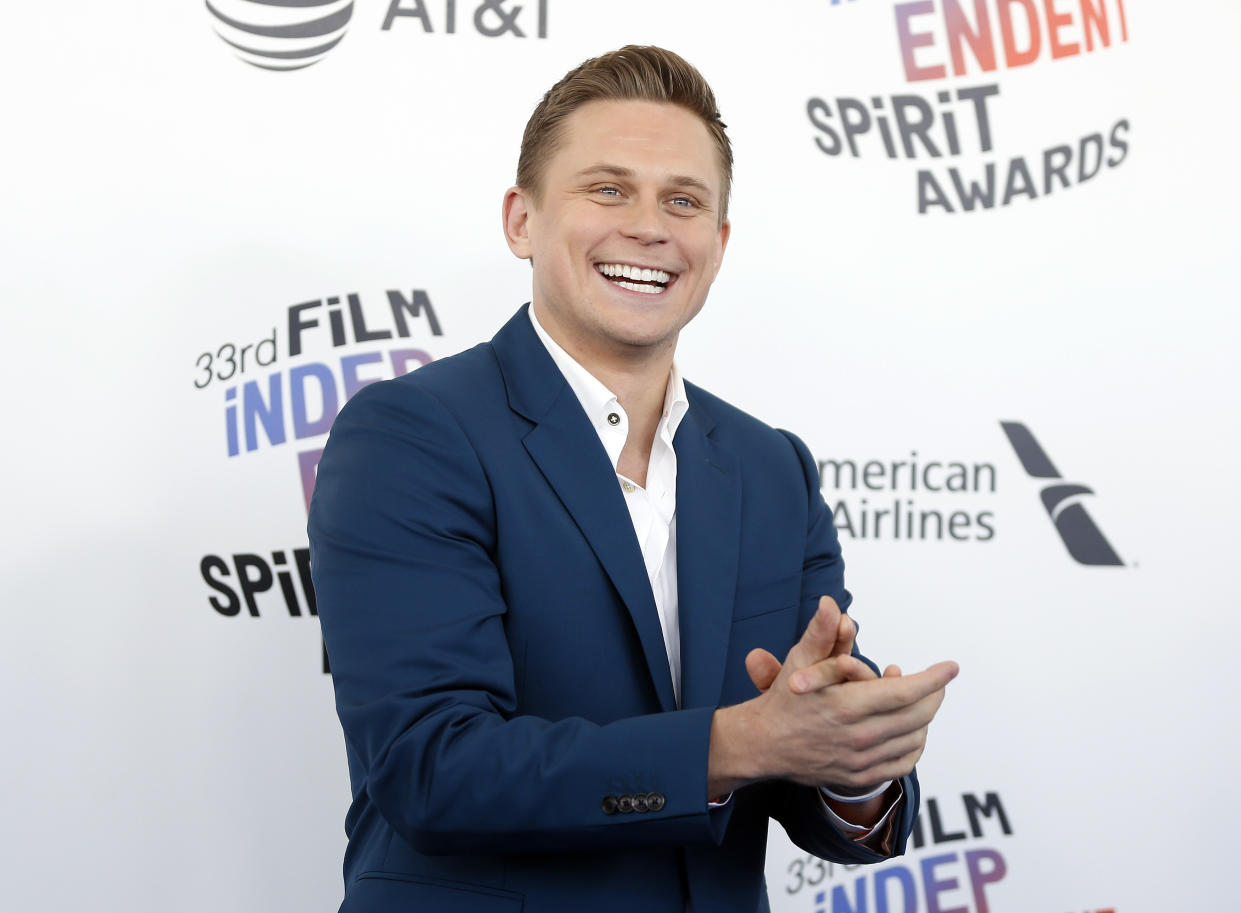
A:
x: 854, y: 762
x: 902, y: 768
x: 848, y: 716
x: 861, y: 739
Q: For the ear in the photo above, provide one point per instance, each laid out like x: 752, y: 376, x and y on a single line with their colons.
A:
x: 516, y: 215
x: 725, y: 232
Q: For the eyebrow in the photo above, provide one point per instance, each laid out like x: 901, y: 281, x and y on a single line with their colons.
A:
x: 618, y: 171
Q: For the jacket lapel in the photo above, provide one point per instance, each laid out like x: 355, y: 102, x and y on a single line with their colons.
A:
x: 708, y: 551
x: 568, y: 453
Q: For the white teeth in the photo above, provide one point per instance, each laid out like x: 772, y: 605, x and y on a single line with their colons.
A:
x: 636, y: 273
x: 634, y: 287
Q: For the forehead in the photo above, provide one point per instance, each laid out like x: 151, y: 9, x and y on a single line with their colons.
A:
x: 653, y: 139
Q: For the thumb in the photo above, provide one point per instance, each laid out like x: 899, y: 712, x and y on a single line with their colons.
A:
x: 762, y: 667
x: 819, y: 639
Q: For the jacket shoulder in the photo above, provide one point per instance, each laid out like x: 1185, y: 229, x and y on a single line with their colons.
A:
x: 459, y: 383
x: 729, y: 421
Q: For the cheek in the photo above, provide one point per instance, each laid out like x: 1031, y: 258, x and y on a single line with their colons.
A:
x: 710, y: 251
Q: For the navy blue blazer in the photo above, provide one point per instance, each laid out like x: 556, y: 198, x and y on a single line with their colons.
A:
x: 499, y: 667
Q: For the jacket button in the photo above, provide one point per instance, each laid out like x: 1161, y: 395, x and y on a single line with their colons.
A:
x: 655, y: 801
x: 624, y: 804
x: 609, y: 805
x: 640, y: 803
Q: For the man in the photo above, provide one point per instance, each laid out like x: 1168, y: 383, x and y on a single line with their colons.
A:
x: 554, y: 579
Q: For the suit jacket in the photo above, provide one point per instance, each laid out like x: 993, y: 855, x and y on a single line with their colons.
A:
x: 499, y: 667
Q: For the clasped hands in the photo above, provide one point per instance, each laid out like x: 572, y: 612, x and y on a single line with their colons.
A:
x: 823, y: 717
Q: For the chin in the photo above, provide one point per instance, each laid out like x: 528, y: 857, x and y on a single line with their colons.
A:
x: 636, y: 340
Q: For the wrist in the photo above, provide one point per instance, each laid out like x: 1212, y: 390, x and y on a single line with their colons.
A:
x: 733, y: 757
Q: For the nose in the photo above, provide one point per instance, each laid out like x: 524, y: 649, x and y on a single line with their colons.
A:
x: 645, y: 221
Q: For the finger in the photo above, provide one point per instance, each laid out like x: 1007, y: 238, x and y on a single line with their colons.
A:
x: 903, y: 765
x: 878, y: 729
x: 892, y: 693
x: 909, y: 745
x: 892, y: 769
x: 819, y: 638
x: 762, y: 668
x: 893, y: 671
x: 831, y: 671
x: 846, y: 634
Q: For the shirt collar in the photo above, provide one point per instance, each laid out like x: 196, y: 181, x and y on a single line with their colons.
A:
x: 598, y: 401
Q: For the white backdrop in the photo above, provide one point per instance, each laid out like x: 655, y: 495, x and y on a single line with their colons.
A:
x: 164, y: 199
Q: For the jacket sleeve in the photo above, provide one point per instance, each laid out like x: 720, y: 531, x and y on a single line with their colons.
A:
x: 402, y: 534
x: 796, y: 807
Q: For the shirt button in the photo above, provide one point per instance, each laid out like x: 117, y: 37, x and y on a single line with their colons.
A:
x: 613, y: 418
x: 629, y: 487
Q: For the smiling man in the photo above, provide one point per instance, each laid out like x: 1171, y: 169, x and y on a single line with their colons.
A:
x: 586, y: 620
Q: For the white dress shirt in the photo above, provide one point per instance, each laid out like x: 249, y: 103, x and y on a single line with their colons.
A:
x: 653, y: 508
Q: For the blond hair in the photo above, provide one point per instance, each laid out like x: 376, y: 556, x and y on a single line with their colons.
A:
x: 635, y: 72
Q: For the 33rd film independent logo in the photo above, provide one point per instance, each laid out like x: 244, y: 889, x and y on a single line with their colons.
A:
x: 954, y: 863
x: 938, y: 40
x: 287, y: 35
x: 282, y: 391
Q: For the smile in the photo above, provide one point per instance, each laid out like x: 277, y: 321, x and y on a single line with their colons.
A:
x: 636, y: 278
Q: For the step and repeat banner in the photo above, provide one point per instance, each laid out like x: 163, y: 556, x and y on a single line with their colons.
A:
x: 984, y: 261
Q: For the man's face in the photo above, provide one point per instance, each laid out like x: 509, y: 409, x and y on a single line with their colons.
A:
x: 634, y: 185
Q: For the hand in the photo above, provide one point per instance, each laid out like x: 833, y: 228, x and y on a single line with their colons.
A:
x: 804, y: 728
x: 763, y: 667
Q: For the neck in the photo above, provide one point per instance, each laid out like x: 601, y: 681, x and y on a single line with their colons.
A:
x: 637, y: 375
x: 641, y: 393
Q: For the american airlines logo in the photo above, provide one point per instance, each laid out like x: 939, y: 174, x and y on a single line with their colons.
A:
x: 1063, y: 501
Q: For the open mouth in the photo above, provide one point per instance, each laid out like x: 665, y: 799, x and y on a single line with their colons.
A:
x: 636, y: 278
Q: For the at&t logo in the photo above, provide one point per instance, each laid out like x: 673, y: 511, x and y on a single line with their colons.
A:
x: 281, y: 34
